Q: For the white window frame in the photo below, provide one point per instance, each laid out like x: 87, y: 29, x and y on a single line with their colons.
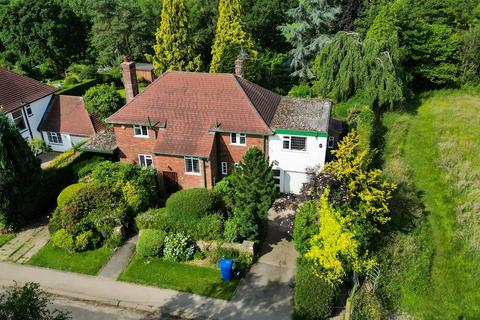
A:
x: 288, y: 139
x: 224, y: 168
x: 235, y: 139
x: 331, y: 142
x: 143, y: 162
x: 143, y: 133
x: 192, y: 172
x: 54, y: 138
x: 22, y: 118
x: 28, y: 111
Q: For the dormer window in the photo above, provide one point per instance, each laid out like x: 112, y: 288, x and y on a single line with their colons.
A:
x: 140, y: 131
x: 238, y: 139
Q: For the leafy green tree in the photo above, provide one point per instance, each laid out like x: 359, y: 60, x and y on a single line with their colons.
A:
x: 309, y: 29
x: 255, y: 192
x: 119, y: 28
x: 28, y: 303
x: 102, y: 100
x: 20, y: 177
x: 172, y: 49
x: 470, y: 56
x: 43, y: 36
x: 230, y: 38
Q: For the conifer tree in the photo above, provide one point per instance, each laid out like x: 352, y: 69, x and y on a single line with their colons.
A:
x: 172, y: 48
x: 255, y: 193
x: 20, y: 176
x: 230, y: 38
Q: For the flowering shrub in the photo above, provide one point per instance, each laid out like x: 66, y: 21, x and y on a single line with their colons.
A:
x: 178, y: 247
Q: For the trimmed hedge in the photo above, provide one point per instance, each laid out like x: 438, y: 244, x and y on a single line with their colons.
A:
x: 192, y: 204
x: 68, y: 193
x: 313, y: 298
x: 154, y: 219
x: 305, y: 226
x: 86, y: 167
x: 150, y: 243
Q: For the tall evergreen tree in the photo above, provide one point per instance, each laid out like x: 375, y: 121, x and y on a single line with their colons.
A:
x: 310, y: 28
x: 255, y: 193
x: 172, y: 48
x: 230, y: 38
x: 20, y: 176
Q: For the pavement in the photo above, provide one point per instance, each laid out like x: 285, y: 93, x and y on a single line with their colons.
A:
x: 119, y: 260
x: 25, y: 244
x: 265, y: 293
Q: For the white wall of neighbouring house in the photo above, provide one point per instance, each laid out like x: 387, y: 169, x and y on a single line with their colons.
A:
x: 68, y: 142
x: 293, y: 163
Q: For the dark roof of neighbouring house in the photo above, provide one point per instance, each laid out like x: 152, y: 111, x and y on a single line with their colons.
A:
x: 303, y: 115
x: 144, y: 66
x: 190, y: 106
x: 67, y: 114
x: 103, y: 142
x: 17, y: 90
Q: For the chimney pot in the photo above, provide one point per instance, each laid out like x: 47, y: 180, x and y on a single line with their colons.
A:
x: 240, y: 67
x: 130, y: 78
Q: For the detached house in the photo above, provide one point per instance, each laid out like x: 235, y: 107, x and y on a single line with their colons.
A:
x: 61, y: 121
x: 194, y: 128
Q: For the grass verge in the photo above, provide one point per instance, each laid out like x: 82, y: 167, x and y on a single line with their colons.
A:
x: 4, y: 238
x: 178, y: 276
x: 88, y: 262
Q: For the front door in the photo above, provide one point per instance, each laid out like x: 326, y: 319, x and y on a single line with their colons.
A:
x: 170, y: 179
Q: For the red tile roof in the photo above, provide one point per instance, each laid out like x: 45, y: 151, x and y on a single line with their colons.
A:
x: 67, y: 114
x: 17, y: 90
x: 191, y: 105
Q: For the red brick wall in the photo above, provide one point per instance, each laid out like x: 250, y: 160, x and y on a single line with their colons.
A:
x: 232, y: 153
x: 130, y: 146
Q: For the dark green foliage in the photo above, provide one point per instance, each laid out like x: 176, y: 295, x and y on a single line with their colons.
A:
x: 86, y: 240
x: 28, y: 303
x: 44, y: 35
x: 362, y: 118
x: 302, y: 90
x: 209, y: 228
x: 470, y: 56
x: 153, y: 219
x: 305, y: 226
x: 366, y: 305
x: 192, y: 204
x: 69, y: 193
x: 274, y: 72
x: 20, y: 175
x: 86, y: 167
x: 102, y: 100
x: 255, y: 193
x: 226, y: 191
x: 313, y: 299
x: 150, y: 243
x: 78, y: 89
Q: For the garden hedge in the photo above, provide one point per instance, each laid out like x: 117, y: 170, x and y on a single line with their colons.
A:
x: 68, y: 193
x: 150, y: 243
x: 192, y: 204
x: 305, y: 226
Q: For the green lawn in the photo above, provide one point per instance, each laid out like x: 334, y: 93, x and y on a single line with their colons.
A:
x: 141, y: 88
x: 89, y: 262
x: 178, y: 276
x: 437, y: 262
x: 4, y: 238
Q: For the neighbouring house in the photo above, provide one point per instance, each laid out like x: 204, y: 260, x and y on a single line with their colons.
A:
x: 67, y: 123
x: 194, y: 128
x: 25, y: 101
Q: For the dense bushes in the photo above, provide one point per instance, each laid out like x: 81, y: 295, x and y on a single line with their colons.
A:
x: 150, y: 243
x: 313, y: 298
x: 68, y: 193
x: 192, y: 204
x: 178, y: 247
x: 306, y: 226
x: 365, y: 305
x: 86, y: 167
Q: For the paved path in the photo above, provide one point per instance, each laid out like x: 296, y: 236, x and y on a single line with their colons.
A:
x: 25, y: 244
x: 119, y: 260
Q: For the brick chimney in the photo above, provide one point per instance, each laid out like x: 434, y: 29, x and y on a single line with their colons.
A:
x: 129, y: 78
x: 240, y: 67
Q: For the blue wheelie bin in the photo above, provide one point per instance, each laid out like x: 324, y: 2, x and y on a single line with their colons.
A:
x: 226, y: 269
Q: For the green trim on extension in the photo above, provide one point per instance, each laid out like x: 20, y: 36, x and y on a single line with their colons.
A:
x: 249, y: 133
x: 204, y: 174
x: 95, y: 151
x: 302, y: 133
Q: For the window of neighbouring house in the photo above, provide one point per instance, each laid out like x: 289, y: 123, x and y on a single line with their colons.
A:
x: 331, y: 142
x: 145, y: 160
x: 55, y: 137
x: 239, y: 139
x: 28, y: 110
x: 19, y: 120
x: 295, y: 143
x: 192, y: 165
x: 224, y: 168
x: 140, y: 131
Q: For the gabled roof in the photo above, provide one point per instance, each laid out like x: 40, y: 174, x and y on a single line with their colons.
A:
x: 67, y: 114
x: 189, y: 106
x: 17, y: 90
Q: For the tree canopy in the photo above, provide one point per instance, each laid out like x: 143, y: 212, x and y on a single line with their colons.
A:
x: 102, y: 100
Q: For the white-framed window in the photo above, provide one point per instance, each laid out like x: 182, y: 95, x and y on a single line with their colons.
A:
x: 55, y: 137
x: 29, y: 111
x: 19, y: 120
x: 140, y: 131
x: 224, y: 168
x: 145, y: 160
x: 331, y: 142
x: 192, y: 165
x: 239, y: 139
x: 295, y: 143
